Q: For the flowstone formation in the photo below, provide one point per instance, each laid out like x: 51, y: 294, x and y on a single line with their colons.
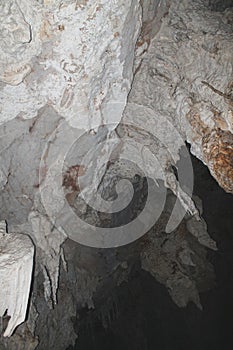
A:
x: 94, y: 94
x: 16, y: 264
x: 184, y: 74
x: 64, y: 64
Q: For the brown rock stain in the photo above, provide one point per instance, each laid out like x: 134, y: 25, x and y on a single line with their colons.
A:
x: 218, y: 154
x: 45, y: 30
x: 217, y: 147
x: 80, y: 4
x: 71, y: 175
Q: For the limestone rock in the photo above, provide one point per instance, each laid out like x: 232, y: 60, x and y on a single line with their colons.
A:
x: 68, y: 69
x: 61, y: 61
x: 178, y: 260
x: 186, y: 78
x: 16, y: 263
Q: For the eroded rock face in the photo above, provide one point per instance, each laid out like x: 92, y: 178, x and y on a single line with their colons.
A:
x: 66, y: 71
x: 77, y: 54
x: 178, y: 260
x: 61, y: 61
x: 185, y: 76
x: 19, y: 40
x: 16, y: 264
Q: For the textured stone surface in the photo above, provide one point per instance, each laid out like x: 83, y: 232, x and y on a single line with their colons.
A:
x: 73, y: 57
x: 68, y: 65
x: 19, y: 39
x: 60, y: 61
x: 186, y: 76
x: 16, y: 263
x: 177, y: 260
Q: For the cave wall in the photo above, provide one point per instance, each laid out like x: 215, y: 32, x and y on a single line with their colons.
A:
x: 129, y: 79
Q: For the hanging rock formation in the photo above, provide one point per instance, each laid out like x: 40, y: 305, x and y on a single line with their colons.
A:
x: 92, y: 93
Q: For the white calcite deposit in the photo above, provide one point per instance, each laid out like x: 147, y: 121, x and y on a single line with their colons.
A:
x: 16, y: 264
x: 147, y: 76
x: 60, y: 61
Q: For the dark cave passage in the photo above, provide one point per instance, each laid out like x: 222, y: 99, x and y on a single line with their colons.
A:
x: 142, y: 315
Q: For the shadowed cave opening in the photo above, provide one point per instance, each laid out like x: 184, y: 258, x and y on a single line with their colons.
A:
x: 141, y: 313
x: 220, y: 5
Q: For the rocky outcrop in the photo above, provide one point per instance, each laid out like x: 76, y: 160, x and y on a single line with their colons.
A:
x: 185, y: 76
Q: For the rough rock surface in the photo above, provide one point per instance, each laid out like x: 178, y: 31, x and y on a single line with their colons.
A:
x: 178, y: 260
x: 184, y: 74
x: 60, y: 61
x: 64, y: 64
x: 16, y: 264
x: 66, y: 69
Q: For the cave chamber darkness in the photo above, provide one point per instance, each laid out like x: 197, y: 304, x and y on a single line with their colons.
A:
x: 143, y: 316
